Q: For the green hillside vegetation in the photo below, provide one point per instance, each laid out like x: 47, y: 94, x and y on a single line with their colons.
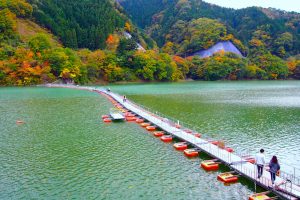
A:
x: 280, y: 29
x: 84, y: 24
x: 188, y: 37
x: 79, y: 24
x: 30, y: 54
x: 268, y: 38
x: 28, y: 58
x: 230, y: 66
x: 146, y: 9
x: 27, y: 29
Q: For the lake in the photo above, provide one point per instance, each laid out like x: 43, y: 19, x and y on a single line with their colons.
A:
x: 64, y: 150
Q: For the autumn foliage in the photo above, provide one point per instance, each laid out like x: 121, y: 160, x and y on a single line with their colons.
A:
x: 38, y: 61
x: 112, y: 42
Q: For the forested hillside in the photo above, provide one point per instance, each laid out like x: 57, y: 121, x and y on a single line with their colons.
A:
x: 268, y: 38
x: 79, y: 24
x: 89, y: 42
x: 141, y: 11
x: 28, y: 58
x: 278, y: 30
x: 185, y: 38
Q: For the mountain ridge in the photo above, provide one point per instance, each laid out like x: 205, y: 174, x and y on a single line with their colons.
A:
x: 242, y: 23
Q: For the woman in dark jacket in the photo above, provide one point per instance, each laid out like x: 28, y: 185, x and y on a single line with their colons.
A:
x: 274, y: 168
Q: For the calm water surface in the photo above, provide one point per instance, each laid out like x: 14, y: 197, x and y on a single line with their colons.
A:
x: 65, y: 151
x: 247, y: 115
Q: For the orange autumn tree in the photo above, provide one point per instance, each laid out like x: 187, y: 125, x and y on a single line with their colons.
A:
x: 293, y: 64
x: 32, y: 73
x: 112, y: 42
x: 23, y: 69
x: 183, y: 65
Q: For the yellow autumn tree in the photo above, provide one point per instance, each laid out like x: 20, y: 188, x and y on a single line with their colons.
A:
x: 127, y: 27
x: 168, y: 48
x: 70, y: 73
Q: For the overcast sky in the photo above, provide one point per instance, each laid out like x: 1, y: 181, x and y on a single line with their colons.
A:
x: 288, y: 5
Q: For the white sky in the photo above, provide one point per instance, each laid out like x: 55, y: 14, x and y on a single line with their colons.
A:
x: 288, y: 5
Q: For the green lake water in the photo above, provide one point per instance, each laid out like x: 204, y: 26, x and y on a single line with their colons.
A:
x: 65, y: 151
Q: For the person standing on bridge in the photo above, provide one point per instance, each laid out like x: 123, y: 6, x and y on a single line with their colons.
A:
x: 274, y: 168
x: 124, y: 99
x: 260, y: 162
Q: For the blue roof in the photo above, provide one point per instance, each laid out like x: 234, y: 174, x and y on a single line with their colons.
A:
x: 226, y: 46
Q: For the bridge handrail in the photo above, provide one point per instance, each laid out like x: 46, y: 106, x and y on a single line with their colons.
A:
x: 285, y: 175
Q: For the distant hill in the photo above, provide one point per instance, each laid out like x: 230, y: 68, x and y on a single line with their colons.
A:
x: 278, y: 30
x: 141, y: 11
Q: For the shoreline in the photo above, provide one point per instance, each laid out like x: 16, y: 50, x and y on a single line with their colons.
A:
x: 155, y: 82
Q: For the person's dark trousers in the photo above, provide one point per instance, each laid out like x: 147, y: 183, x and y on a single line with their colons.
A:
x: 259, y: 170
x: 273, y: 176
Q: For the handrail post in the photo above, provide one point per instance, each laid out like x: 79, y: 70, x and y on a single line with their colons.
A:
x: 289, y: 177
